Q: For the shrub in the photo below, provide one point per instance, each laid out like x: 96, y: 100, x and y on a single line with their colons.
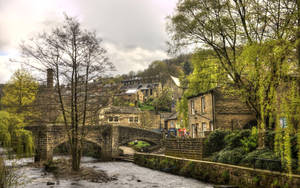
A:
x: 230, y: 156
x: 269, y: 139
x: 233, y: 140
x: 295, y: 148
x: 215, y: 141
x: 250, y: 143
x: 257, y: 157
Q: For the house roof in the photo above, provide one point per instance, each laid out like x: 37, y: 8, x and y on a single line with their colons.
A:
x: 172, y: 116
x: 202, y: 93
x: 131, y: 91
x: 176, y: 81
x: 122, y: 110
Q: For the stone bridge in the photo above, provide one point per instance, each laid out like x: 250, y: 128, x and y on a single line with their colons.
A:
x: 107, y: 137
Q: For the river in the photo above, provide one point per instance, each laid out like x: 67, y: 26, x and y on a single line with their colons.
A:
x: 128, y: 175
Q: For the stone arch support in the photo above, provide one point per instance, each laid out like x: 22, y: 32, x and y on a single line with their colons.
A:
x: 109, y: 138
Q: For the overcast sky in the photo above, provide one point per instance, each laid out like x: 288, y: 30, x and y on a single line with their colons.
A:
x: 133, y: 31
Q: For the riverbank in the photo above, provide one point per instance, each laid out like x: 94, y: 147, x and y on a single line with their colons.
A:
x: 217, y: 173
x: 128, y: 175
x: 61, y: 169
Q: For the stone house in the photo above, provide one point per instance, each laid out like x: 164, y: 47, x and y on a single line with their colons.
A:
x: 216, y: 110
x: 172, y: 121
x: 139, y: 89
x: 173, y: 85
x: 120, y: 115
x: 139, y: 92
x: 133, y: 117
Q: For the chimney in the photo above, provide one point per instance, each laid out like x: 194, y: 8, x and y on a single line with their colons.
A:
x: 49, y: 78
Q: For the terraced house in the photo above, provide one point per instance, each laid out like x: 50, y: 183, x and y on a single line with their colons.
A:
x: 214, y: 109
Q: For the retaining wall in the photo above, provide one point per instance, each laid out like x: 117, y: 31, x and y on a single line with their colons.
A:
x: 191, y: 148
x: 218, y: 173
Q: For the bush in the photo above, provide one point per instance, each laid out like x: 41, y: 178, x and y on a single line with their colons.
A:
x: 269, y: 139
x: 257, y: 157
x: 215, y: 141
x: 230, y: 156
x: 250, y: 143
x: 233, y: 140
x: 295, y: 148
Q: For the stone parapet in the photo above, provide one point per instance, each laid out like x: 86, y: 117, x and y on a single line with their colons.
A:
x: 218, y: 173
x: 191, y: 148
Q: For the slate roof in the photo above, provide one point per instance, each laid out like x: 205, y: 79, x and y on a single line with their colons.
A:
x: 172, y: 117
x: 176, y: 81
x: 122, y: 110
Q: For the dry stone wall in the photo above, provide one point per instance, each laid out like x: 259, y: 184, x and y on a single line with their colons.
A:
x: 191, y: 148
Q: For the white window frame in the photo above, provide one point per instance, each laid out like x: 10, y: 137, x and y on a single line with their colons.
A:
x: 203, y: 104
x: 130, y: 119
x: 192, y: 107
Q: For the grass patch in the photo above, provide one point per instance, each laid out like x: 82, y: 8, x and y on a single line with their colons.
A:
x: 139, y: 145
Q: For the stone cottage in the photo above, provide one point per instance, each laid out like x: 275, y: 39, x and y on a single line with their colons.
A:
x: 120, y: 115
x: 216, y: 110
x: 172, y: 121
x: 173, y: 85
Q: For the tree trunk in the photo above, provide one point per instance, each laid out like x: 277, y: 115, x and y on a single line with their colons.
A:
x: 76, y: 157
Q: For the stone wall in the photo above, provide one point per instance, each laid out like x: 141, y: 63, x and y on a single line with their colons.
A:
x: 222, y: 111
x: 218, y: 173
x: 231, y: 112
x: 191, y: 148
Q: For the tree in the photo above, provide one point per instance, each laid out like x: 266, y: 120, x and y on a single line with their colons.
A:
x: 163, y: 102
x: 253, y: 42
x: 12, y: 134
x: 19, y: 94
x: 225, y: 26
x: 76, y: 57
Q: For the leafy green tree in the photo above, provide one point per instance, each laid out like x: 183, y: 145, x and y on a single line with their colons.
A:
x: 19, y: 94
x: 12, y: 134
x: 207, y: 73
x: 225, y: 26
x: 182, y: 110
x: 163, y: 102
x: 254, y: 43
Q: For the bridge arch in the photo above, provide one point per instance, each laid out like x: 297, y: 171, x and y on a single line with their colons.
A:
x: 107, y: 137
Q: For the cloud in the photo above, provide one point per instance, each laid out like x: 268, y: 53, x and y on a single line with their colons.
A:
x: 134, y: 59
x: 133, y: 30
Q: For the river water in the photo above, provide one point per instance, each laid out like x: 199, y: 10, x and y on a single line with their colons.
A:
x: 128, y: 175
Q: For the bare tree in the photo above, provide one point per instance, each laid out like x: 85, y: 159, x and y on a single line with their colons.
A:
x: 76, y: 57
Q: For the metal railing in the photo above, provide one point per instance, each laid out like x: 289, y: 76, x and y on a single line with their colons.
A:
x: 267, y: 163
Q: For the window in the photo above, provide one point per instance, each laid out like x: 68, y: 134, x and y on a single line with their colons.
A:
x: 113, y: 119
x: 211, y: 126
x: 130, y: 119
x: 203, y: 126
x: 151, y: 92
x: 136, y: 119
x: 172, y: 124
x: 192, y: 107
x: 283, y: 123
x: 202, y: 104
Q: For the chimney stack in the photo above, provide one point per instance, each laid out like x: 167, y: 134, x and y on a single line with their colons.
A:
x: 49, y: 78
